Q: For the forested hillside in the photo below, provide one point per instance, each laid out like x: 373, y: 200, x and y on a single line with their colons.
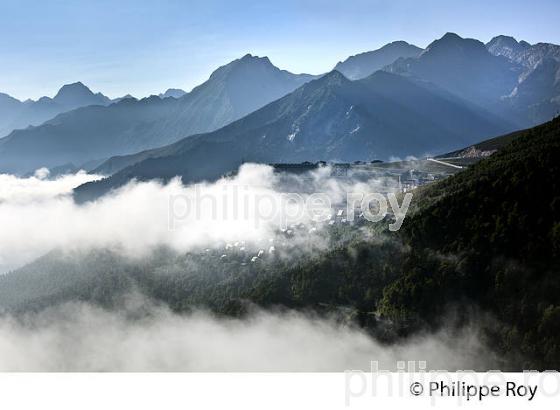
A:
x: 491, y: 235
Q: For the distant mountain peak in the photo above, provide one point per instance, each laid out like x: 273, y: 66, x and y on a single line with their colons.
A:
x: 172, y: 92
x: 334, y: 75
x: 508, y: 40
x: 506, y: 46
x: 331, y: 78
x: 452, y: 41
x: 72, y: 90
x: 364, y: 64
x: 450, y: 37
x: 77, y: 95
x: 78, y: 85
x: 522, y: 52
x: 249, y: 58
x: 126, y: 97
x: 248, y: 61
x: 451, y: 34
x: 504, y: 39
x: 397, y: 43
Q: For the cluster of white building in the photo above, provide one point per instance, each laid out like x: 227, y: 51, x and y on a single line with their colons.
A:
x: 245, y: 253
x: 239, y: 248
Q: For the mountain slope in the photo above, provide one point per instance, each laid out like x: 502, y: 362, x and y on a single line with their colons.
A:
x: 485, y: 148
x: 491, y: 234
x: 9, y: 108
x: 365, y: 64
x: 537, y: 94
x: 23, y: 114
x: 231, y: 92
x: 465, y: 68
x: 331, y: 118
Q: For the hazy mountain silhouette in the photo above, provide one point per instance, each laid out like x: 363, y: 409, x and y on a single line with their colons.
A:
x: 466, y: 68
x: 173, y: 92
x: 124, y: 97
x: 506, y: 83
x: 514, y: 80
x: 95, y: 132
x: 9, y: 108
x: 331, y: 118
x: 364, y: 64
x: 77, y: 95
x: 15, y: 114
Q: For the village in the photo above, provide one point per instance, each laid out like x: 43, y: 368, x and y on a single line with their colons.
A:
x: 406, y: 176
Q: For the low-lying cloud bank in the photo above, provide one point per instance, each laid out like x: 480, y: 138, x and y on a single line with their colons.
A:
x: 37, y: 188
x: 38, y: 214
x: 79, y: 337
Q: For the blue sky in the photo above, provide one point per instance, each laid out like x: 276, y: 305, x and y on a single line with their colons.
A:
x: 144, y: 47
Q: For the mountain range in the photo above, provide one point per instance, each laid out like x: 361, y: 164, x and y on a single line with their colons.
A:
x: 15, y: 114
x: 172, y: 92
x: 330, y: 118
x: 97, y: 132
x: 500, y: 86
x: 454, y: 93
x: 515, y: 80
x: 465, y: 68
x: 521, y: 51
x: 364, y: 64
x: 537, y: 94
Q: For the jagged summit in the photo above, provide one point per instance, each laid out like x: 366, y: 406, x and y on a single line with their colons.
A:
x: 250, y: 57
x: 252, y: 60
x: 247, y: 62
